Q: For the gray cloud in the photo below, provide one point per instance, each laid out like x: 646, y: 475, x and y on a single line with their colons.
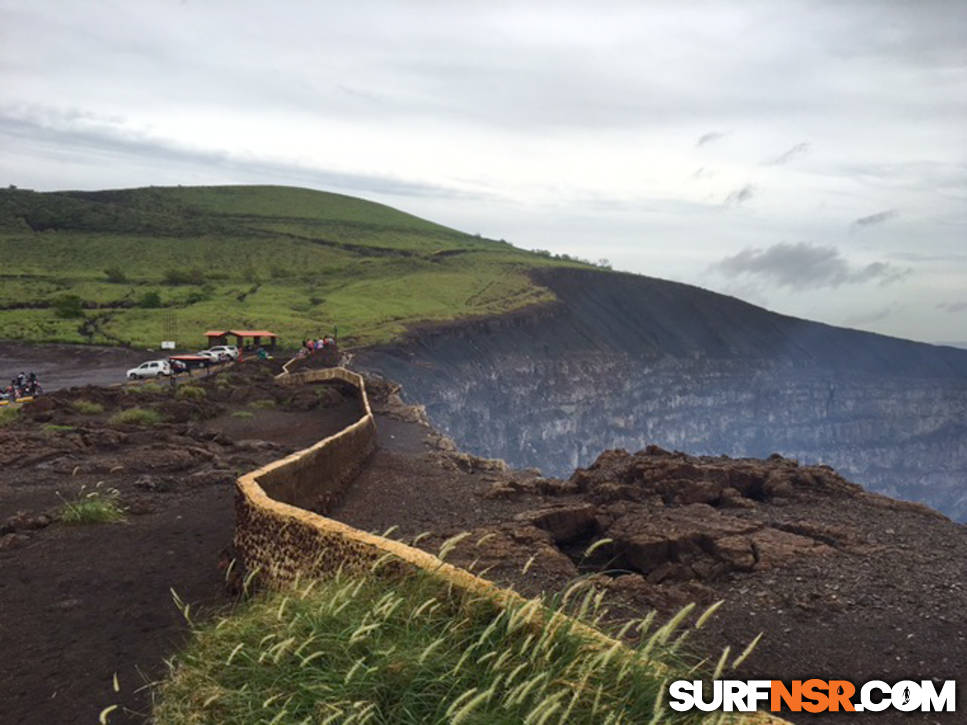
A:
x: 804, y: 266
x: 947, y: 178
x: 798, y: 150
x: 921, y: 257
x: 951, y: 307
x: 871, y: 317
x: 709, y: 137
x: 499, y: 63
x: 61, y: 130
x: 873, y: 219
x: 739, y: 196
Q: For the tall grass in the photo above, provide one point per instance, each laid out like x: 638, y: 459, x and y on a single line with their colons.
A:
x: 146, y: 389
x: 190, y: 392
x: 137, y: 416
x: 97, y: 506
x: 8, y: 414
x: 412, y: 650
x: 262, y: 404
x: 87, y: 407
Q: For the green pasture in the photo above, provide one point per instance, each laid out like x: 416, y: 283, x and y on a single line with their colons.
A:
x: 129, y: 266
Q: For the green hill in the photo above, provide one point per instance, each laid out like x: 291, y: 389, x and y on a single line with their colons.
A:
x: 141, y: 265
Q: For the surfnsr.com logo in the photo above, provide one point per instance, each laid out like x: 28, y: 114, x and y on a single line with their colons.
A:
x: 812, y: 696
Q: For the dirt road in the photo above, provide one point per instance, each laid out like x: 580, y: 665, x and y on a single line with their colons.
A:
x: 64, y: 366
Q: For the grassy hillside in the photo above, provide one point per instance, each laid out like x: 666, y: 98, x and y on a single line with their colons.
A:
x: 141, y: 265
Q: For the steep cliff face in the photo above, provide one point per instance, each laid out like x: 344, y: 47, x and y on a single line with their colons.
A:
x: 622, y: 361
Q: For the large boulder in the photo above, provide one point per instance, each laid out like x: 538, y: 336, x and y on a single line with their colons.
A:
x: 565, y: 522
x: 698, y: 541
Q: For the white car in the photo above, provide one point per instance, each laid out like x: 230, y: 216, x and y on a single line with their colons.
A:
x: 150, y: 369
x: 215, y: 355
x: 229, y: 352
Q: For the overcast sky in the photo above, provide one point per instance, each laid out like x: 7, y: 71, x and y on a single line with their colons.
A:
x: 810, y: 157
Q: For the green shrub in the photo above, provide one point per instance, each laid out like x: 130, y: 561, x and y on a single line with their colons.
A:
x: 69, y: 306
x: 55, y: 428
x: 100, y: 506
x: 263, y: 404
x: 8, y: 414
x: 190, y: 392
x: 87, y: 407
x: 150, y: 300
x: 201, y: 295
x: 137, y: 416
x: 115, y: 274
x: 246, y: 414
x: 412, y: 651
x: 184, y: 276
x: 146, y: 389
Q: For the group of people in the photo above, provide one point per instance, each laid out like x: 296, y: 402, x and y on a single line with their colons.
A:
x: 309, y: 345
x: 23, y: 386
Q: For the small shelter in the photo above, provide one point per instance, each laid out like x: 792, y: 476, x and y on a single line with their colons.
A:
x: 220, y: 337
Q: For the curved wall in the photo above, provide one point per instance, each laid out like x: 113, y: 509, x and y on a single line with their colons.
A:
x: 279, y: 537
x: 281, y: 529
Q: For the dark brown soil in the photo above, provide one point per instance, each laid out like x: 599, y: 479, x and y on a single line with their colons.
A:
x: 81, y: 603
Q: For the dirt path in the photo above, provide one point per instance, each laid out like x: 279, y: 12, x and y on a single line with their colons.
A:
x: 63, y: 366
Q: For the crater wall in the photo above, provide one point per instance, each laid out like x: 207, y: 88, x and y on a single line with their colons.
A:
x: 623, y: 361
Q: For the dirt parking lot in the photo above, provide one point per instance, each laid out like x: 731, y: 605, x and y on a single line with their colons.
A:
x: 63, y: 366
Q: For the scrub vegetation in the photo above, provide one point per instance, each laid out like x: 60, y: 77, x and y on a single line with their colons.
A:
x: 122, y: 266
x: 8, y: 415
x: 411, y: 650
x: 97, y: 506
x: 87, y: 407
x: 137, y: 416
x: 190, y: 392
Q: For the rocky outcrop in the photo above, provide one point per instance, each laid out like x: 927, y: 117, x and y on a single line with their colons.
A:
x: 671, y: 517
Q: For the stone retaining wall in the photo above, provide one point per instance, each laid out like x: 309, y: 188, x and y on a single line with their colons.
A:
x: 278, y: 536
x: 280, y: 529
x: 315, y: 478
